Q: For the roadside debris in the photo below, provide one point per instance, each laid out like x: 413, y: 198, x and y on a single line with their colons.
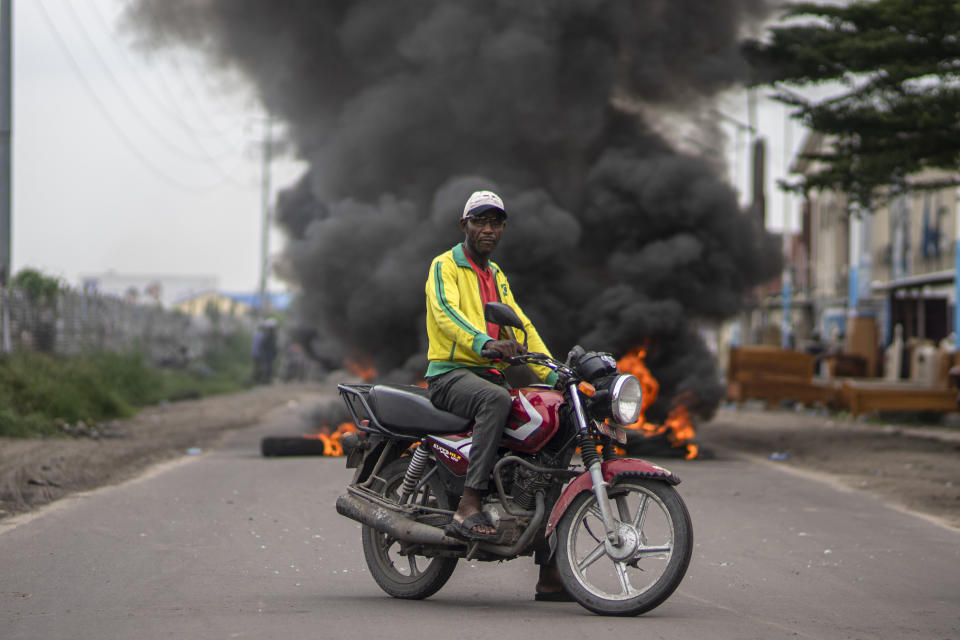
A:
x: 92, y: 430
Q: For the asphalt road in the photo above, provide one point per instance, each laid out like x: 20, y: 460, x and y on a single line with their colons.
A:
x: 231, y: 545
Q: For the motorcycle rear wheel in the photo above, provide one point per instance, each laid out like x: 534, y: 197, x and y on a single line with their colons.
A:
x: 649, y: 564
x: 406, y: 576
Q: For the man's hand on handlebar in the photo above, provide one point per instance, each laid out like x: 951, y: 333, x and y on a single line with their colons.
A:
x: 505, y: 348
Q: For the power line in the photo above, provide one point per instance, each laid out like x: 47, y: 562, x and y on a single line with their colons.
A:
x: 171, y: 104
x: 205, y: 156
x: 121, y: 134
x: 171, y: 47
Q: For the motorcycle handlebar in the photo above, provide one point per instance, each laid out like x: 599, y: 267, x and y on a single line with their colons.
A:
x: 533, y: 357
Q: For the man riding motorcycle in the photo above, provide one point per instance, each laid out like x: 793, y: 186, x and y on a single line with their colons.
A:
x: 459, y: 283
x: 611, y: 533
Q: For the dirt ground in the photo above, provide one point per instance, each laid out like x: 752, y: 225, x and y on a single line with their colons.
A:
x: 915, y: 467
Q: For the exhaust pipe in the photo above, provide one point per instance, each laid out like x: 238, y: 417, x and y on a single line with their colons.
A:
x: 396, y: 525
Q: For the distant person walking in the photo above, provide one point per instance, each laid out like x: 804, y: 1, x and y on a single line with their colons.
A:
x: 264, y: 351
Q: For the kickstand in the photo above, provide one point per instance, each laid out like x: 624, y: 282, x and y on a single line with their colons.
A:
x: 472, y: 549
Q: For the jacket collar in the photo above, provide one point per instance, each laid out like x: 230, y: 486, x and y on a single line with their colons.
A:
x: 460, y: 258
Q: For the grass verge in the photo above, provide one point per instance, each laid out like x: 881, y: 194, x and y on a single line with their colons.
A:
x: 39, y: 391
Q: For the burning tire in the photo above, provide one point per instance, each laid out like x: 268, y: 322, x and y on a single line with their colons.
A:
x: 271, y: 446
x: 395, y: 565
x: 656, y: 541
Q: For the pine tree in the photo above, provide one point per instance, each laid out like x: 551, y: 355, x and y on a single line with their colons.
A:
x: 897, y: 64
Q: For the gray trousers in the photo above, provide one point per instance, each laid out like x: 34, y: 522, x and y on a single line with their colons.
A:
x: 468, y: 395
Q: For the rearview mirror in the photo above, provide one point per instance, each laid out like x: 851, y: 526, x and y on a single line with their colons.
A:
x: 505, y: 316
x: 502, y: 314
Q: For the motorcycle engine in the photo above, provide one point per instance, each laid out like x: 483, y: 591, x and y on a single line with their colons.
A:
x: 526, y: 483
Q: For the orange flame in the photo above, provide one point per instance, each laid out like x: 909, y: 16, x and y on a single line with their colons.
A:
x: 679, y: 425
x: 633, y: 363
x: 361, y: 367
x: 331, y: 440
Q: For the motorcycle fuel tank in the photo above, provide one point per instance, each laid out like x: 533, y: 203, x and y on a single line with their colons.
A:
x: 534, y: 419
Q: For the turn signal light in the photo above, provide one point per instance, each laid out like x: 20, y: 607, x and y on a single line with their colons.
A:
x: 587, y: 389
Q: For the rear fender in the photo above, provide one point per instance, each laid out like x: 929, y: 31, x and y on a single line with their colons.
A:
x: 612, y: 469
x: 374, y: 448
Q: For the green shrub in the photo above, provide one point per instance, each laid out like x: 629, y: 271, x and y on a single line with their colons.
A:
x: 37, y: 287
x: 13, y: 425
x: 38, y: 389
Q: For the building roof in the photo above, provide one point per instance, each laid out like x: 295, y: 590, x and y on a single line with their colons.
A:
x: 279, y: 300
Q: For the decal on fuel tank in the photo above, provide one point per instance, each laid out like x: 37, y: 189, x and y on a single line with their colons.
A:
x: 535, y: 420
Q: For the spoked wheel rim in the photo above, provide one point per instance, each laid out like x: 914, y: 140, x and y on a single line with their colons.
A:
x: 402, y: 567
x: 395, y: 565
x: 642, y: 557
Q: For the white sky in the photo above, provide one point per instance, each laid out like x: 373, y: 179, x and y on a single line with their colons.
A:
x: 142, y: 166
x: 153, y: 166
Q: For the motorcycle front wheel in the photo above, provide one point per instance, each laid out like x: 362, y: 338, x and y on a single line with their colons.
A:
x: 639, y: 573
x: 401, y: 573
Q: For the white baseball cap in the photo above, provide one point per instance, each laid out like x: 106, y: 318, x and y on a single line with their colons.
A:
x: 480, y: 201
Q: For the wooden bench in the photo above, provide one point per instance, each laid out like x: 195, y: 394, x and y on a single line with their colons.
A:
x: 862, y: 396
x: 774, y: 375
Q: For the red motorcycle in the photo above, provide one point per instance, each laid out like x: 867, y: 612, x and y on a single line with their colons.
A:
x: 619, y: 530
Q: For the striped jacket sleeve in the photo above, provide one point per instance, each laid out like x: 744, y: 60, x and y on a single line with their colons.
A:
x: 443, y: 301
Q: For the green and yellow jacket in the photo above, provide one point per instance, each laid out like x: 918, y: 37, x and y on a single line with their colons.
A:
x: 456, y: 327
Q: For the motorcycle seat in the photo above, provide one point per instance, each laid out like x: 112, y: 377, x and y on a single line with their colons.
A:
x: 408, y: 410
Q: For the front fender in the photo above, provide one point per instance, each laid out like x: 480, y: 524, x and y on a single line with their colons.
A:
x: 611, y: 470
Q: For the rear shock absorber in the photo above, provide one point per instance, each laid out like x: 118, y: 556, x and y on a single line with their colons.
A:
x: 418, y: 462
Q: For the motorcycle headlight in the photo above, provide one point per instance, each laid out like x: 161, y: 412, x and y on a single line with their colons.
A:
x: 626, y: 398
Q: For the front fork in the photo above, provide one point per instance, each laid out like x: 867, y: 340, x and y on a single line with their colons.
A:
x: 591, y: 460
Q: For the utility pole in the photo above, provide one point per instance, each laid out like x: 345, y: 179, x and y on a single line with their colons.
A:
x: 861, y: 238
x: 855, y: 239
x: 6, y: 74
x: 956, y: 275
x: 6, y: 109
x: 267, y: 217
x: 758, y: 204
x: 786, y: 331
x: 740, y: 128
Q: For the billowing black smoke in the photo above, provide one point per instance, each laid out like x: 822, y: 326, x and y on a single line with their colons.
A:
x: 615, y: 239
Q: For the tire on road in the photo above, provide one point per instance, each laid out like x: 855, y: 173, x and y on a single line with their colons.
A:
x: 658, y: 541
x: 409, y: 576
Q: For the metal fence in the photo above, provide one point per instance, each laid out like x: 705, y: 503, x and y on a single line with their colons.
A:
x: 78, y: 322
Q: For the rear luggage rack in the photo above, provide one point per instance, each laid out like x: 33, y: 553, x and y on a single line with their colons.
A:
x: 355, y: 397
